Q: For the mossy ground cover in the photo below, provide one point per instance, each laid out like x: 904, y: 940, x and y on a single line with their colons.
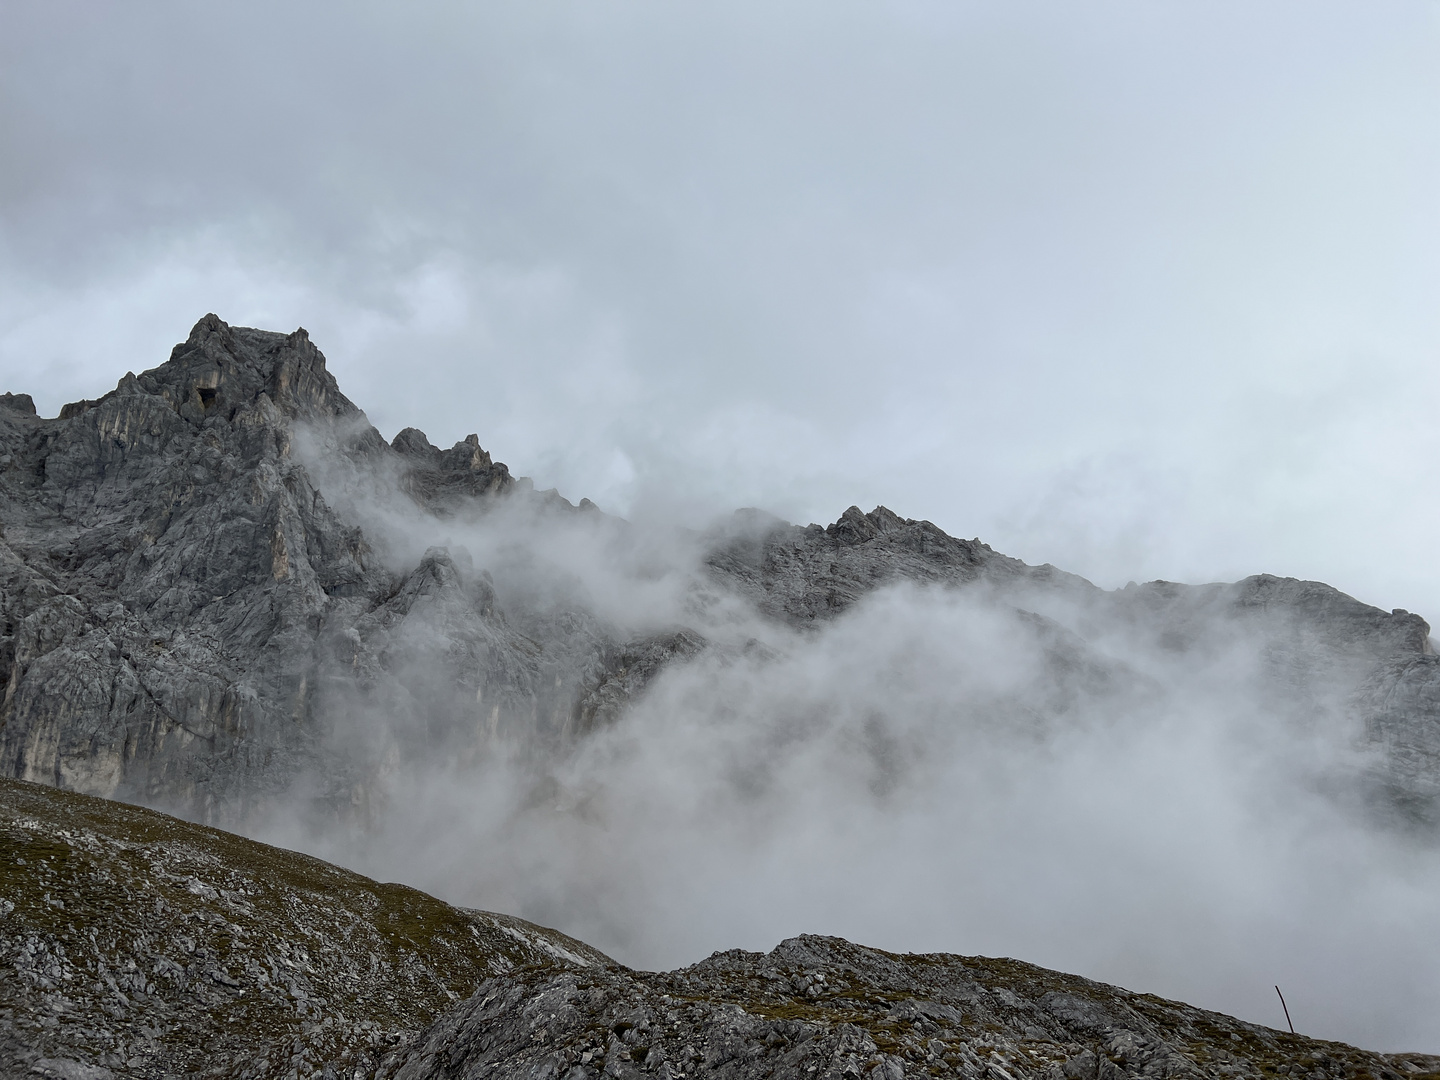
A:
x: 945, y: 1014
x: 147, y: 945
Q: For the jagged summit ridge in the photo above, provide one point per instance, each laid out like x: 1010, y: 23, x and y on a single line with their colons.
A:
x: 169, y: 569
x: 220, y: 369
x: 202, y: 600
x: 235, y: 374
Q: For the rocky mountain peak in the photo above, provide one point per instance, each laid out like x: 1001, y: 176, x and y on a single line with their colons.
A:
x: 21, y: 403
x: 465, y: 456
x: 414, y: 442
x: 221, y: 369
x: 441, y: 479
x: 856, y: 527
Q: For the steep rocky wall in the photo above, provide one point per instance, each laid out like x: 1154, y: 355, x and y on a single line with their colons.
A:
x: 187, y: 622
x: 166, y: 569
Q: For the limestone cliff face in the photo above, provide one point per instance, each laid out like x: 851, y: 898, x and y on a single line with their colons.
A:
x: 175, y: 589
x: 166, y: 567
x: 199, y: 610
x: 187, y: 621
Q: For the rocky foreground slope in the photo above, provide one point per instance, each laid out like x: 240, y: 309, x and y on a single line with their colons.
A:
x: 217, y: 576
x: 136, y: 945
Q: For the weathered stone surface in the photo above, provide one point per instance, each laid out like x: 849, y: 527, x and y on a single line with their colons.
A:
x: 136, y: 945
x: 823, y: 1007
x: 805, y: 574
x: 439, y: 480
x: 185, y: 621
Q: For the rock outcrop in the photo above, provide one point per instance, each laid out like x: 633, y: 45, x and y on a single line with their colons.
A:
x: 133, y: 944
x: 822, y: 1007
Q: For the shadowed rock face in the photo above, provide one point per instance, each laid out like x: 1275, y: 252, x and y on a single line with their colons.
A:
x: 196, y: 613
x: 164, y: 570
x: 133, y: 944
x: 185, y: 617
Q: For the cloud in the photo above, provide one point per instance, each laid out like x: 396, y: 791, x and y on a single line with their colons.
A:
x: 937, y: 771
x: 1136, y: 291
x: 1172, y: 797
x: 939, y: 257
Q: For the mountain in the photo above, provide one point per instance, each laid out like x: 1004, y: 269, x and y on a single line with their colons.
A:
x: 224, y: 595
x: 216, y: 577
x: 133, y: 944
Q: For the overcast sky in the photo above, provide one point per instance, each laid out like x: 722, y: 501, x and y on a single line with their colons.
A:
x: 1143, y: 290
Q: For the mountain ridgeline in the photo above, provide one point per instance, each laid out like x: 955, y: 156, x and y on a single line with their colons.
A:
x: 193, y: 616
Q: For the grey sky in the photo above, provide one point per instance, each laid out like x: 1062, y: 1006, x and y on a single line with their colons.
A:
x: 1141, y: 290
